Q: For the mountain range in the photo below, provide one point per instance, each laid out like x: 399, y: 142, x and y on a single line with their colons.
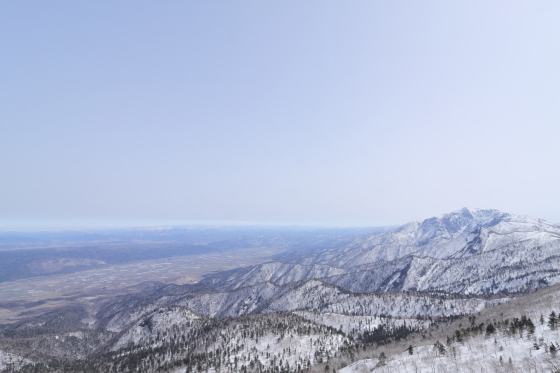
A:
x: 324, y: 301
x: 478, y: 252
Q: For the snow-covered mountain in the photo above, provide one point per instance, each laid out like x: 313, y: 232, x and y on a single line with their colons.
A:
x: 466, y: 251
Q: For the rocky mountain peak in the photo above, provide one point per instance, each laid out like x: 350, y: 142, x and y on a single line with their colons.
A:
x: 456, y: 222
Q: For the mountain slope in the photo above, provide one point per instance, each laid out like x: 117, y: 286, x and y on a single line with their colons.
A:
x: 466, y: 251
x: 516, y: 337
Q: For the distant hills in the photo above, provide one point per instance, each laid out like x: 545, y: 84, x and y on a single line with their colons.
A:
x: 31, y: 254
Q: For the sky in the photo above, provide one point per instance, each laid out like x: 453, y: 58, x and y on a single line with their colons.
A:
x: 276, y: 112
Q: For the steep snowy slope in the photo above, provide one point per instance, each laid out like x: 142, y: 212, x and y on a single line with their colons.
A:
x: 162, y: 320
x: 275, y: 272
x: 457, y: 234
x: 243, y: 301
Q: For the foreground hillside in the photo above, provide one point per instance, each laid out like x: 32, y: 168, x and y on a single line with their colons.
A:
x: 517, y: 336
x: 179, y: 323
x: 521, y: 336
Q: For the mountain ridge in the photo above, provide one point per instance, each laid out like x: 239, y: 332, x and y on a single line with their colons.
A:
x: 418, y: 255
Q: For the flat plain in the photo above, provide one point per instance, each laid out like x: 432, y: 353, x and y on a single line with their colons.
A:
x: 32, y: 296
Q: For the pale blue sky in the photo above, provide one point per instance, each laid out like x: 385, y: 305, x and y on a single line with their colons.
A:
x: 307, y: 112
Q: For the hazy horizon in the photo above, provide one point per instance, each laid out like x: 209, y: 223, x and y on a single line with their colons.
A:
x: 33, y: 226
x: 83, y: 225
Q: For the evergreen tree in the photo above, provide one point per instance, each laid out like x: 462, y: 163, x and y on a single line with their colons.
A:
x: 490, y: 329
x: 552, y: 320
x: 552, y: 349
